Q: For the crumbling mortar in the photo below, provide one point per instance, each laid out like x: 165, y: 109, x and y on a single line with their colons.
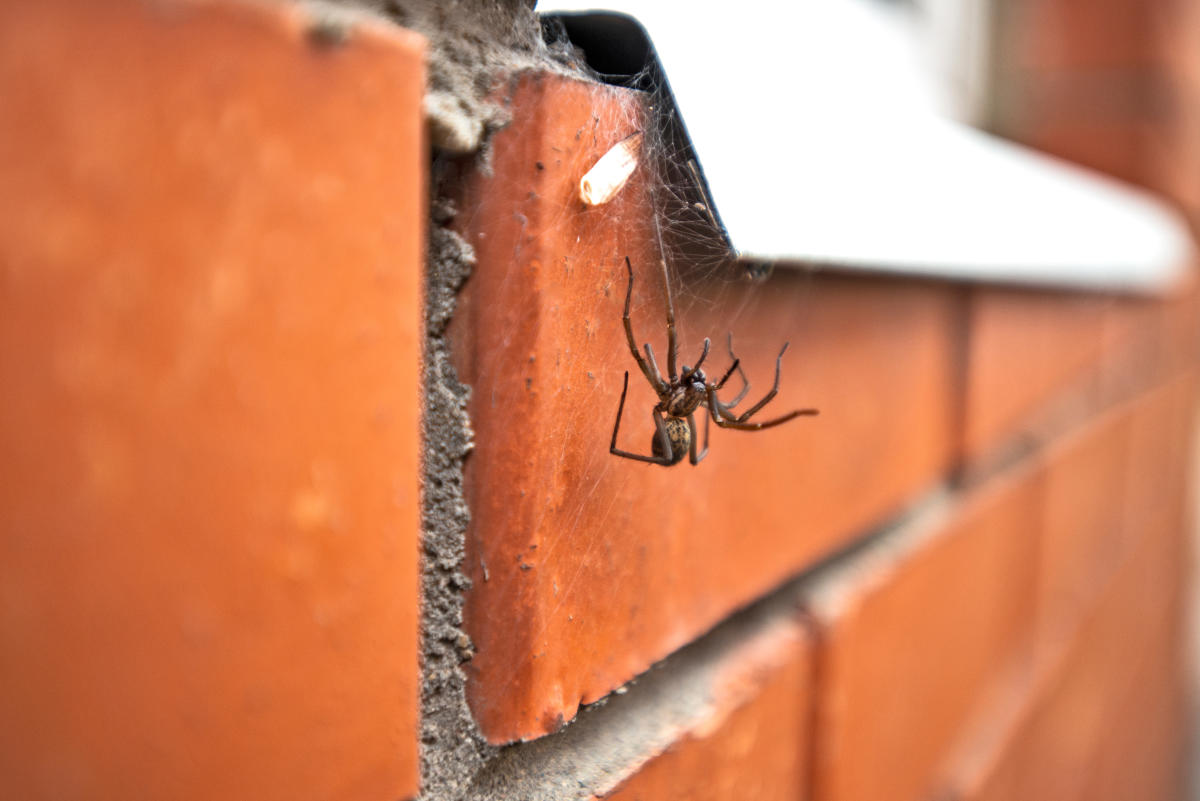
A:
x: 472, y: 46
x: 472, y: 43
x: 452, y: 748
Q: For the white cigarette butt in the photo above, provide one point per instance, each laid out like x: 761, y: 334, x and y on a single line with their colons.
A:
x: 606, y: 178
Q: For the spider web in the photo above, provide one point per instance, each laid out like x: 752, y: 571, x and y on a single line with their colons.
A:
x: 704, y: 275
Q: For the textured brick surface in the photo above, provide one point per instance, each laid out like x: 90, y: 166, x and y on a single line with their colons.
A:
x: 208, y: 337
x: 586, y: 567
x: 912, y: 642
x: 755, y: 744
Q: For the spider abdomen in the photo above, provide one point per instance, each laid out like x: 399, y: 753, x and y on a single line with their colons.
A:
x: 680, y: 436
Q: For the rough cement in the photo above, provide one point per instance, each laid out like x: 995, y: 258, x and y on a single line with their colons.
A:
x: 452, y: 749
x: 472, y: 45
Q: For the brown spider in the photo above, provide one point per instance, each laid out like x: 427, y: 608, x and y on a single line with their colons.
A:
x: 683, y: 393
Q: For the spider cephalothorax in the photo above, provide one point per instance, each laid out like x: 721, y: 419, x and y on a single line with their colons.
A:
x: 680, y: 394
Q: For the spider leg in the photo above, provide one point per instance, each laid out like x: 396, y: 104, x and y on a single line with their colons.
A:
x: 737, y: 364
x: 653, y: 377
x: 768, y: 424
x: 693, y: 456
x: 716, y: 409
x: 688, y: 373
x: 725, y: 419
x: 664, y: 460
x: 671, y: 349
x: 650, y: 357
x: 774, y: 389
x: 723, y: 413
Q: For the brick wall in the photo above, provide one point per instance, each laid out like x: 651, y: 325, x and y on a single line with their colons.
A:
x: 965, y: 579
x: 989, y: 503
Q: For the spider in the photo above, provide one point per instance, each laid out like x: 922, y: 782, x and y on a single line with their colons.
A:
x: 680, y: 395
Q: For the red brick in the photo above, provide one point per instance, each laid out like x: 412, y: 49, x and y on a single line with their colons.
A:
x: 1025, y: 349
x: 1104, y: 85
x: 1177, y: 155
x: 1176, y: 31
x: 1086, y: 536
x: 1080, y: 701
x: 1121, y: 148
x: 754, y: 744
x: 914, y: 638
x: 1150, y: 340
x: 1141, y: 753
x: 1178, y: 167
x: 1048, y: 35
x: 1182, y: 323
x: 210, y: 232
x: 587, y: 568
x: 1136, y: 352
x: 1160, y: 446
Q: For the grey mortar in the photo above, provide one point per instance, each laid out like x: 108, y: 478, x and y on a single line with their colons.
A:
x: 473, y: 46
x: 610, y: 740
x: 452, y: 749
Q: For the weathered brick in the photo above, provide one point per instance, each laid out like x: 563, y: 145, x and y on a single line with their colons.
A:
x: 914, y: 636
x: 587, y: 568
x: 210, y: 239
